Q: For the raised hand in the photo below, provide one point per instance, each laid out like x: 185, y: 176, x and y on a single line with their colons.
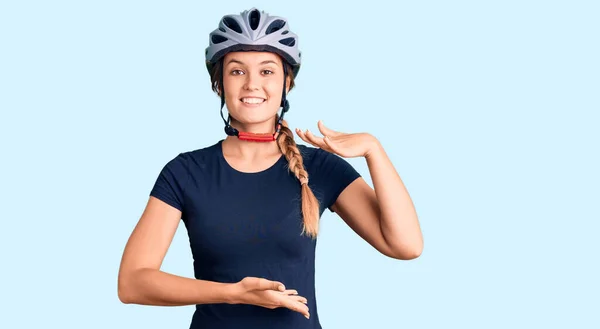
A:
x: 342, y: 144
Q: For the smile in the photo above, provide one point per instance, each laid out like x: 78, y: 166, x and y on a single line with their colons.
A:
x: 252, y: 100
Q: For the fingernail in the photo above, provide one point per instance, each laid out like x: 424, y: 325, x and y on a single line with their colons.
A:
x: 282, y: 288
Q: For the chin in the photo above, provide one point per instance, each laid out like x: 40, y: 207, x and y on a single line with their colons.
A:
x: 249, y: 117
x: 257, y: 119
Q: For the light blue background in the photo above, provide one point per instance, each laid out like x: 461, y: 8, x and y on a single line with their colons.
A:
x: 488, y: 109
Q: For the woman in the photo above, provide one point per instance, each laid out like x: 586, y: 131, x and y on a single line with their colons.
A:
x: 251, y: 203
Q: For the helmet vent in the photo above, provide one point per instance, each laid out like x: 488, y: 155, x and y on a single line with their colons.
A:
x: 216, y: 39
x: 254, y: 19
x: 288, y: 42
x: 276, y: 25
x: 285, y: 32
x: 232, y: 24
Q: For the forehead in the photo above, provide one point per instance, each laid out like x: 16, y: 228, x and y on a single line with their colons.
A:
x: 252, y: 57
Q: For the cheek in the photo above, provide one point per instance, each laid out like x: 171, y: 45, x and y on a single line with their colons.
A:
x: 274, y: 89
x: 230, y: 86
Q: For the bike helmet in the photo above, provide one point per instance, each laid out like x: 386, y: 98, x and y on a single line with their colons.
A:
x: 254, y: 30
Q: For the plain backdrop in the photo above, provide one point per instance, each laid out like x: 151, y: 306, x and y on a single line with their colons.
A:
x: 488, y: 110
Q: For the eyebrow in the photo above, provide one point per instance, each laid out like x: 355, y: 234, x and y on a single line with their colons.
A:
x: 233, y: 60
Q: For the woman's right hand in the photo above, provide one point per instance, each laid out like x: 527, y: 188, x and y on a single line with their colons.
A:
x: 269, y: 294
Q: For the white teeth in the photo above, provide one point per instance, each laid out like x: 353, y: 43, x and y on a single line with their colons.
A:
x: 252, y: 100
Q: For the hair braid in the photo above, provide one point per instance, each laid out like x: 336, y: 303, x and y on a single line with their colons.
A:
x: 310, y: 204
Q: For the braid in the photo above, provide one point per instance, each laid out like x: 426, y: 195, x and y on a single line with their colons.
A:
x: 310, y: 204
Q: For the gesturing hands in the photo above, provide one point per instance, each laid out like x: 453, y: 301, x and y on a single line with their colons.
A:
x: 269, y: 294
x: 342, y: 144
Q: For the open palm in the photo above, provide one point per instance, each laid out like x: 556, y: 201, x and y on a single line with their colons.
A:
x: 342, y: 144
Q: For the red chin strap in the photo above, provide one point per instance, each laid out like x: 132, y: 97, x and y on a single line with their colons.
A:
x: 252, y: 137
x: 259, y: 137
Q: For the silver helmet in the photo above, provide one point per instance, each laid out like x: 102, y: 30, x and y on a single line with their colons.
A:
x: 253, y: 30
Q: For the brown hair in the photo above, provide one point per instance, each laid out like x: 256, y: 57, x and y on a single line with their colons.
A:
x: 287, y: 146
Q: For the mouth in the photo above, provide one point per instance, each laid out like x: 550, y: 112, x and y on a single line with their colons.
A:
x: 252, y: 101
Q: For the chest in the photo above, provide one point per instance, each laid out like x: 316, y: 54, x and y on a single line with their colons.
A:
x: 255, y: 219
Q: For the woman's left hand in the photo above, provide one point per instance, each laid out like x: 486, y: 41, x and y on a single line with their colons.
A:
x: 342, y: 144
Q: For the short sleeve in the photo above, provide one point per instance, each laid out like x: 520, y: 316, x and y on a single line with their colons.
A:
x: 170, y: 184
x: 335, y: 174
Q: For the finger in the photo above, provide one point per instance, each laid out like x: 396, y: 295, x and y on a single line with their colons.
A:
x: 264, y: 284
x: 291, y: 292
x: 301, y: 135
x: 333, y: 146
x: 298, y: 307
x: 326, y: 131
x: 305, y: 137
x: 317, y: 141
x: 300, y: 299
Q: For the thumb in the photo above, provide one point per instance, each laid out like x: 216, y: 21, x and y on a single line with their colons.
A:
x: 326, y: 131
x: 275, y: 285
x: 264, y: 284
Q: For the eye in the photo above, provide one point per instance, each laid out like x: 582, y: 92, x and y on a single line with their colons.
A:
x: 237, y: 72
x: 267, y: 72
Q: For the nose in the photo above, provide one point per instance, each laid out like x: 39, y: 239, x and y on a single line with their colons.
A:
x: 252, y: 81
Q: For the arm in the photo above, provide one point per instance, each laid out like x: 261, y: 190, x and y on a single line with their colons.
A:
x: 148, y: 286
x: 140, y: 280
x: 384, y: 217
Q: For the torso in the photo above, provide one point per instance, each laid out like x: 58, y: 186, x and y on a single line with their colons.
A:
x: 246, y: 220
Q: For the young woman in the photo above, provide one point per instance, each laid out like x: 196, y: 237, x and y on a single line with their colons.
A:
x: 251, y: 203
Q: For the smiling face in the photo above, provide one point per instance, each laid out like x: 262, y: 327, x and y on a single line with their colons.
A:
x: 253, y: 83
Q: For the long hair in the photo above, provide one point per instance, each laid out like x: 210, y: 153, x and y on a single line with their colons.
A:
x: 288, y: 147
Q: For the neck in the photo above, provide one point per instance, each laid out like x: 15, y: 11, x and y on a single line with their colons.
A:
x: 234, y: 147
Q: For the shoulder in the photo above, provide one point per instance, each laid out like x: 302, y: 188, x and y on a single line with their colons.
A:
x: 307, y: 152
x: 198, y: 156
x: 189, y: 161
x: 327, y: 168
x: 328, y: 173
x: 317, y: 159
x: 202, y: 155
x: 172, y: 181
x: 313, y: 156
